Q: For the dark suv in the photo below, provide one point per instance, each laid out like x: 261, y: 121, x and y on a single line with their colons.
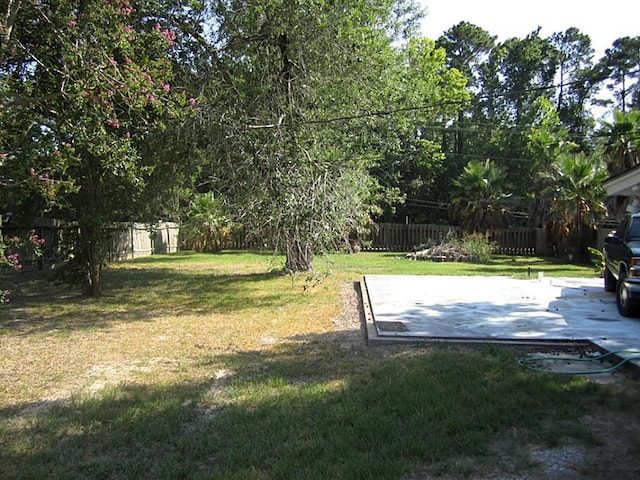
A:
x: 622, y: 265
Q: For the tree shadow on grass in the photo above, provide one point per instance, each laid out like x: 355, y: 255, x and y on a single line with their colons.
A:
x: 142, y: 294
x: 311, y: 411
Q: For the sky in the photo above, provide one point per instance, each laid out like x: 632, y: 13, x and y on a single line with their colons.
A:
x: 603, y: 21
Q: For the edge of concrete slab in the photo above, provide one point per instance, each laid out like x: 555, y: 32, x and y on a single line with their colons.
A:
x: 374, y: 337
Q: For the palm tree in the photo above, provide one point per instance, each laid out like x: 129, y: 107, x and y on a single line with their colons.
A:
x: 575, y: 195
x: 621, y: 146
x: 478, y: 202
x: 207, y: 225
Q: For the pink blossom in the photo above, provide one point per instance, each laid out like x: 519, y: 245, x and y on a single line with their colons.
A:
x: 32, y: 171
x: 166, y: 87
x: 147, y: 77
x: 128, y: 61
x: 157, y: 27
x: 113, y: 123
x: 169, y: 36
x: 72, y: 23
x: 127, y: 135
x: 128, y: 29
x: 113, y: 61
x: 192, y: 101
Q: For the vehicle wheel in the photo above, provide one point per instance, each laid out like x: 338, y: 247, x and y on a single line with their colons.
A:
x: 626, y: 306
x: 609, y: 281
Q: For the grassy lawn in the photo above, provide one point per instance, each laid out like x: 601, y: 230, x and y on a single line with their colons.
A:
x: 220, y: 367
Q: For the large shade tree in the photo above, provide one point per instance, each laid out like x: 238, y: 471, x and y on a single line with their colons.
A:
x: 303, y: 90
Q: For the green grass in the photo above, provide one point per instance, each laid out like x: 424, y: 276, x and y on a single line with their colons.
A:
x: 168, y: 376
x: 397, y: 264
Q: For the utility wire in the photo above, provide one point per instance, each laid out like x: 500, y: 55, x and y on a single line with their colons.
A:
x: 389, y: 112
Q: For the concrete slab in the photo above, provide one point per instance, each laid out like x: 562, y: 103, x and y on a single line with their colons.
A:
x: 498, y: 309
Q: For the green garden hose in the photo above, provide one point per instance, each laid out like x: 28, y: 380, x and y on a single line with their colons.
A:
x: 528, y: 362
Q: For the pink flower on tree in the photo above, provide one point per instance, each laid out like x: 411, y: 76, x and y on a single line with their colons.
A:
x: 166, y: 87
x: 169, y: 36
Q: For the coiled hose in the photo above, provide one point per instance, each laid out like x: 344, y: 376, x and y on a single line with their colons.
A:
x: 529, y: 362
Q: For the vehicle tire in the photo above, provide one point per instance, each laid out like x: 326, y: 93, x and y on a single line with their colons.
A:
x: 609, y: 280
x: 626, y: 306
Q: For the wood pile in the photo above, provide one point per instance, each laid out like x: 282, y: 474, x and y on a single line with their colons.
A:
x: 445, y: 252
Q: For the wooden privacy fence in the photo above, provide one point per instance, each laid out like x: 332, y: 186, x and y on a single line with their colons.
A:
x: 398, y: 237
x: 126, y: 240
x: 140, y: 240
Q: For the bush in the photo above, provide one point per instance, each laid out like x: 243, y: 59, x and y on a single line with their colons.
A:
x: 207, y: 226
x: 477, y: 246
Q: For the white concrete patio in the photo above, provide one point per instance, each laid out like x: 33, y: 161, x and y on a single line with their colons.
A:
x: 497, y: 309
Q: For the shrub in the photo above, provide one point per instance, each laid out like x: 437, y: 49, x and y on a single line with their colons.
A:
x: 477, y: 246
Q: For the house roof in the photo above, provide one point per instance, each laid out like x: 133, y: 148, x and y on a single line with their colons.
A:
x: 624, y: 184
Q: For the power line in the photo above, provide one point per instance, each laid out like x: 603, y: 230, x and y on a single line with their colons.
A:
x: 393, y: 111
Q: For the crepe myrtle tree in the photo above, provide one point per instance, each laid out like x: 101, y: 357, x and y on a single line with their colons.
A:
x: 10, y: 251
x: 93, y: 80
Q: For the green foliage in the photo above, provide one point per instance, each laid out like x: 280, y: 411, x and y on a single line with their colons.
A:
x: 621, y: 141
x: 576, y: 190
x: 94, y: 87
x: 575, y: 196
x: 207, y: 225
x: 301, y: 131
x: 597, y: 258
x: 479, y: 199
x: 478, y: 246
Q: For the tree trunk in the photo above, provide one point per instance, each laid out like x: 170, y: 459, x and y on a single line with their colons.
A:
x: 299, y: 257
x: 92, y: 248
x: 93, y: 286
x: 93, y: 272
